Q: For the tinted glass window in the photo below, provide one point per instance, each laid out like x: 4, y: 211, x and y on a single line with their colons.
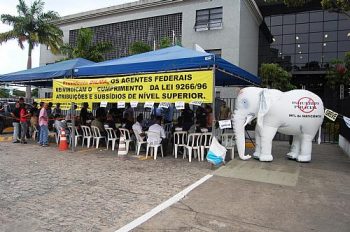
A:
x: 330, y: 47
x: 302, y: 38
x: 288, y: 29
x: 330, y: 16
x: 341, y: 55
x: 302, y: 28
x: 278, y: 39
x: 276, y: 30
x: 329, y: 56
x: 316, y: 27
x: 316, y: 37
x: 343, y: 35
x: 301, y: 58
x: 344, y: 45
x: 288, y: 39
x: 315, y: 47
x: 288, y: 49
x: 276, y: 20
x: 330, y: 26
x: 302, y: 18
x: 315, y: 57
x: 289, y: 19
x: 344, y: 24
x: 316, y: 16
x: 330, y: 36
x: 302, y: 48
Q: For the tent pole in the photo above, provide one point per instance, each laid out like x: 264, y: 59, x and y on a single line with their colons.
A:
x: 73, y: 127
x: 214, y: 101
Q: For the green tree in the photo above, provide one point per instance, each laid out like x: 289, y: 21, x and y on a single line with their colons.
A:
x: 340, y: 6
x: 339, y: 72
x: 34, y: 26
x: 165, y: 42
x: 275, y: 77
x: 35, y: 92
x: 139, y: 47
x: 85, y: 48
x: 19, y: 93
x: 4, y: 93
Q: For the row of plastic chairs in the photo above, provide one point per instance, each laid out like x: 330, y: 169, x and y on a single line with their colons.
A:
x: 198, y: 143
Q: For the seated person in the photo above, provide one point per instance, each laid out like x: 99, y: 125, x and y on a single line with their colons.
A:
x: 59, y: 124
x: 137, y: 128
x: 99, y: 120
x: 128, y: 122
x: 157, y: 128
x: 110, y: 122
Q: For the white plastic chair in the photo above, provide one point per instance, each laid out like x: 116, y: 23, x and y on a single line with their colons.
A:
x: 193, y: 144
x: 180, y: 139
x: 205, y: 142
x: 139, y: 142
x: 228, y: 141
x: 111, y: 137
x: 86, y: 135
x: 153, y: 142
x: 96, y: 135
x: 76, y: 135
x: 126, y: 134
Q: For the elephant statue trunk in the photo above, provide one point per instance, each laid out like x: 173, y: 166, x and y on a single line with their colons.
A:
x: 239, y: 123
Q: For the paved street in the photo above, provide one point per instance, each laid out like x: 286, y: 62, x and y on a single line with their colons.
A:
x: 280, y: 196
x: 95, y: 190
x: 91, y: 190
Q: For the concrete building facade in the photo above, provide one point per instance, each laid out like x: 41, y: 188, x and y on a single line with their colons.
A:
x: 229, y: 28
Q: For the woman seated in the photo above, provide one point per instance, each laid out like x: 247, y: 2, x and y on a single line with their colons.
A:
x: 99, y: 121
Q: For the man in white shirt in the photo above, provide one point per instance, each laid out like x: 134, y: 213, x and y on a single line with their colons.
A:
x: 157, y: 128
x: 137, y: 128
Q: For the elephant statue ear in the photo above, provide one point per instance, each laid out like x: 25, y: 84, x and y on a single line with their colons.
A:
x: 264, y: 106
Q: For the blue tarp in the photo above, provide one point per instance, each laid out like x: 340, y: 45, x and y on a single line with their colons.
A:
x: 170, y: 59
x: 45, y: 73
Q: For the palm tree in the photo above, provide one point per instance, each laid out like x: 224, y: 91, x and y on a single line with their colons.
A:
x: 85, y: 48
x: 33, y: 26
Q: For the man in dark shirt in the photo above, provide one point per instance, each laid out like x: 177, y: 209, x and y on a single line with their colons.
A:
x: 15, y: 122
x: 187, y: 117
x: 84, y: 113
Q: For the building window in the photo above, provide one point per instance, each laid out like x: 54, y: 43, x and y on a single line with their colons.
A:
x: 208, y: 19
x: 48, y: 95
x: 216, y: 52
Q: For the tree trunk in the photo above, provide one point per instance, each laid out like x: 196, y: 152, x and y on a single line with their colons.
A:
x: 29, y: 66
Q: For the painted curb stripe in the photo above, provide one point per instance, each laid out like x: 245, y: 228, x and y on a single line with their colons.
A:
x: 162, y: 206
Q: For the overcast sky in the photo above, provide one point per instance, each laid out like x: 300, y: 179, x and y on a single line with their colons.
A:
x: 12, y: 58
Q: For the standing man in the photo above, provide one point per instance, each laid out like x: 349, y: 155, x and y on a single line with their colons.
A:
x: 84, y: 113
x: 44, y: 129
x: 15, y: 114
x: 23, y: 121
x: 225, y: 112
x: 57, y: 112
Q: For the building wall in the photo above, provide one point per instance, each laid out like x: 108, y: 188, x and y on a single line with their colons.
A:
x: 228, y: 39
x: 248, y: 44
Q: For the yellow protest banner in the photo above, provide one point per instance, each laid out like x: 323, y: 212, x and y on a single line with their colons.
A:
x: 158, y: 87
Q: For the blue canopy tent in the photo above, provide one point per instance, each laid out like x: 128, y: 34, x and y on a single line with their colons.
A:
x: 43, y: 75
x: 171, y: 59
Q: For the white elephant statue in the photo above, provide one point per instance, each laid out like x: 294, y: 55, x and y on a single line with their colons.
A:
x: 298, y: 112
